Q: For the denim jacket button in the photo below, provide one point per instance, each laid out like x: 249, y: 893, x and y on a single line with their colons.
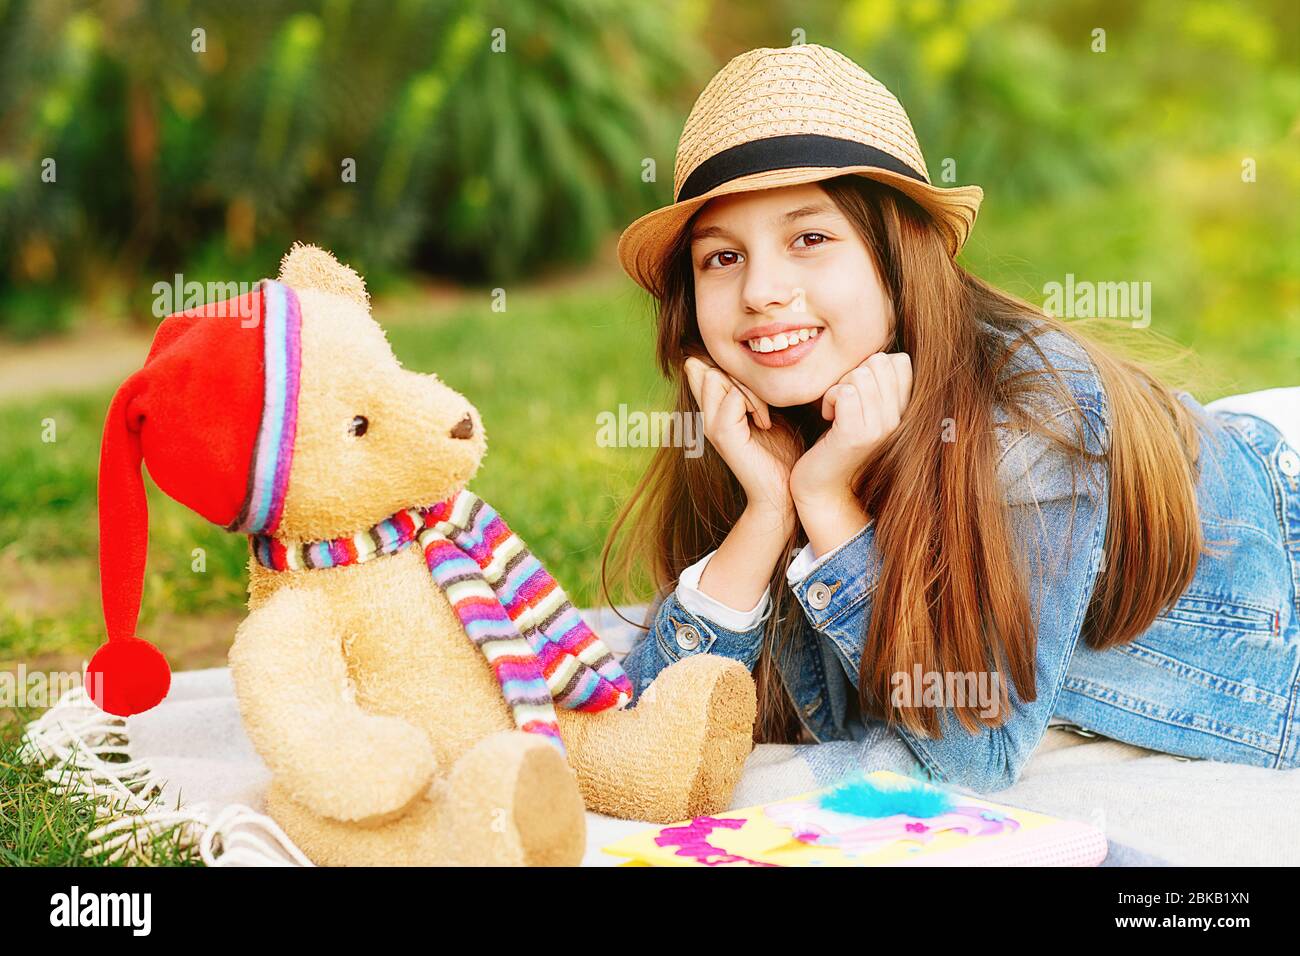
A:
x: 819, y: 595
x: 688, y: 638
x: 1289, y: 462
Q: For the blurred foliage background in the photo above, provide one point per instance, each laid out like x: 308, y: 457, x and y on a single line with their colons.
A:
x: 492, y: 139
x: 486, y: 137
x: 486, y: 166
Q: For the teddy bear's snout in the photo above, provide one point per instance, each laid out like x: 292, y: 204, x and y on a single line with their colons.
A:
x: 464, y: 428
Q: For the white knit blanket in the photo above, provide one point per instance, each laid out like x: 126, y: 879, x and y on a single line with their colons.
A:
x: 192, y: 752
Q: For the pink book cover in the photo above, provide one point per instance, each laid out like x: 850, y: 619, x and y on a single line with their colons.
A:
x: 870, y: 819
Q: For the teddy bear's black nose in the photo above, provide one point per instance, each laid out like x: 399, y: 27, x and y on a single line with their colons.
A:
x: 464, y: 428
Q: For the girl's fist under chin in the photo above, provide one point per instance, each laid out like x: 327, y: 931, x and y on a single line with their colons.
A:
x: 864, y: 408
x: 758, y: 454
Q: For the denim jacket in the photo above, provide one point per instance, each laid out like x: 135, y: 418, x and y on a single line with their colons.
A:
x: 1215, y: 676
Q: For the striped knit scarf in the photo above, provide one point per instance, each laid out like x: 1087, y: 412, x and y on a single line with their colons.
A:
x: 539, y: 648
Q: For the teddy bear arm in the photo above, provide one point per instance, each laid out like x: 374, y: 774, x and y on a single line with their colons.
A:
x: 294, y: 697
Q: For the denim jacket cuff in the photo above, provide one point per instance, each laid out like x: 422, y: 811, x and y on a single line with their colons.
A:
x: 840, y: 580
x: 681, y: 633
x: 805, y: 562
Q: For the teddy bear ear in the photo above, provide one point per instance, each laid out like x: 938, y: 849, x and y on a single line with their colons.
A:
x: 310, y: 267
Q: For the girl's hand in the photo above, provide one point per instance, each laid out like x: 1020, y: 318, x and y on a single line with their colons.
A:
x: 760, y: 457
x: 754, y: 405
x: 864, y: 407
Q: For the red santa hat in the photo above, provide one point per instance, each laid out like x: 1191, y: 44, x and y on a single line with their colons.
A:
x: 213, y: 415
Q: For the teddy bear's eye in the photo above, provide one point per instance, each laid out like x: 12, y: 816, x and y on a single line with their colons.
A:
x: 359, y: 426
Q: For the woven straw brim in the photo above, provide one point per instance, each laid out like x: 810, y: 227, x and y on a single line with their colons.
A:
x: 644, y: 245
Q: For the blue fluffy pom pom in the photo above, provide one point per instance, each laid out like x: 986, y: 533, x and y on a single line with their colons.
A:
x: 859, y: 796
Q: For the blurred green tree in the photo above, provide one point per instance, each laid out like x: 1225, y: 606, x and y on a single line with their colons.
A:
x: 481, y: 138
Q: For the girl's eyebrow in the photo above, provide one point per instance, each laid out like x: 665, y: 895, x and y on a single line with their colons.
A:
x: 709, y: 232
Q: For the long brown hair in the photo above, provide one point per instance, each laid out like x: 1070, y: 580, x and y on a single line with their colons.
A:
x: 952, y: 593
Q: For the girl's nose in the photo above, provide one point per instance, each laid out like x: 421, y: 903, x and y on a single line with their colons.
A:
x: 765, y: 288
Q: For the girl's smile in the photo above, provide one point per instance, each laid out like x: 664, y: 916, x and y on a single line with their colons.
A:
x: 780, y: 345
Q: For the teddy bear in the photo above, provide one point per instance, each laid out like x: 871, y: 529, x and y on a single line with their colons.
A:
x: 420, y: 689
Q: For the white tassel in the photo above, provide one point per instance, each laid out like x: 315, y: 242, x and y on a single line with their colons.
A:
x: 74, y: 740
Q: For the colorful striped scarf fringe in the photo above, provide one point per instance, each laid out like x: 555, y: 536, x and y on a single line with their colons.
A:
x: 538, y: 646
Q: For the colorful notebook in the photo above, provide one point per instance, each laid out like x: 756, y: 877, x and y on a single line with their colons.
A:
x: 870, y: 819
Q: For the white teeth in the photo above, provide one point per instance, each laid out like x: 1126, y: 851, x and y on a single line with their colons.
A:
x: 782, y: 340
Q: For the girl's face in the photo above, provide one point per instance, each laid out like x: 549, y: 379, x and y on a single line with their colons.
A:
x: 786, y: 294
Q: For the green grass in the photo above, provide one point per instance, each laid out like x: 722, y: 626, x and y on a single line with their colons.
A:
x: 39, y: 827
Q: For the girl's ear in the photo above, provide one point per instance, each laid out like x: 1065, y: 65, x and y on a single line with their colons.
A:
x: 310, y: 267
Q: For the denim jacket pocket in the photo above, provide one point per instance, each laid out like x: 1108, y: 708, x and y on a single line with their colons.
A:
x: 1237, y: 615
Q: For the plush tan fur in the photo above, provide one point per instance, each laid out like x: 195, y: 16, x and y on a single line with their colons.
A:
x: 386, y: 734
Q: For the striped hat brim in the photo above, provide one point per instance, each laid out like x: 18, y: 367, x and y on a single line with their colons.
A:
x: 268, y: 477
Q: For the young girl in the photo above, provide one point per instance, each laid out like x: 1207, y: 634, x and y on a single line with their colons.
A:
x: 930, y: 517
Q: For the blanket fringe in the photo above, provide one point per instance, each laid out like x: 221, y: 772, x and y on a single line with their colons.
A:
x: 77, y: 742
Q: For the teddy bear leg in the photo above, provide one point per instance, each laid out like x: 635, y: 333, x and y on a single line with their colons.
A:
x: 412, y: 838
x: 511, y: 800
x: 678, y: 753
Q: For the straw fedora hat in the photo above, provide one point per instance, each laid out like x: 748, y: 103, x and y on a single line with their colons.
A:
x: 778, y: 116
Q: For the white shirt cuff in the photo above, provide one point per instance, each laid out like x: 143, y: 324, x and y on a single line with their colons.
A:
x: 800, y: 565
x: 700, y: 604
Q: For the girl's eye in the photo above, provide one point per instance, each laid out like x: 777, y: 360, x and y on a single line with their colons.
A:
x: 359, y: 426
x: 721, y: 252
x: 820, y: 239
